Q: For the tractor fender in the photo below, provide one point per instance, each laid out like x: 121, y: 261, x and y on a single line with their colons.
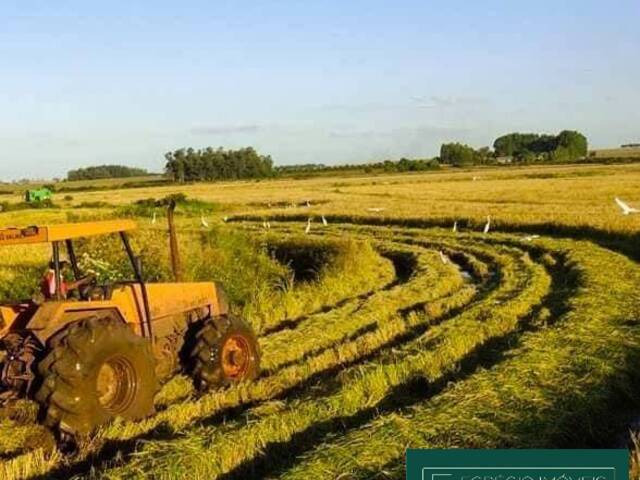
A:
x: 53, y: 317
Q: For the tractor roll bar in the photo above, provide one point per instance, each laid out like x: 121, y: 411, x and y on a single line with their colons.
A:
x: 73, y: 259
x: 56, y: 269
x: 143, y: 287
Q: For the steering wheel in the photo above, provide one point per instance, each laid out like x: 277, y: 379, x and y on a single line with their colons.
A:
x: 87, y: 284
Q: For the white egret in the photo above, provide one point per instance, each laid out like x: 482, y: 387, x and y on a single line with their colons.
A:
x: 626, y: 209
x: 308, y: 229
x: 487, y: 225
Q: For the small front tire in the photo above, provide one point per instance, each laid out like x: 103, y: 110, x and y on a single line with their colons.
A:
x: 225, y: 352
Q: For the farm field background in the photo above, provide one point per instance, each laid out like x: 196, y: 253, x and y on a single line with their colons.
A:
x: 565, y: 195
x: 384, y: 329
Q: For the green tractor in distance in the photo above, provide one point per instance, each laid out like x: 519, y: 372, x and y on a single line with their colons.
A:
x: 38, y: 195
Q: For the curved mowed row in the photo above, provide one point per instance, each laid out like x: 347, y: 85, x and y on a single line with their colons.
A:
x: 466, y: 340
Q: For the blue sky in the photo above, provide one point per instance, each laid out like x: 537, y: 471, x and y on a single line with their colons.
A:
x: 324, y: 81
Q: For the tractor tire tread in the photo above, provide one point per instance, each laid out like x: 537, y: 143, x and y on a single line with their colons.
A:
x: 67, y: 394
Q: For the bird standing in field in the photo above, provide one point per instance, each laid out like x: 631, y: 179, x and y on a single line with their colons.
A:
x: 153, y: 219
x: 308, y: 229
x: 443, y: 257
x: 324, y: 221
x: 626, y: 209
x: 203, y: 222
x: 487, y: 225
x: 455, y: 227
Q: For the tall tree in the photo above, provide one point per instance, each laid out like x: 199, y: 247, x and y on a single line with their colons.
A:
x: 567, y: 146
x: 219, y: 164
x: 456, y: 154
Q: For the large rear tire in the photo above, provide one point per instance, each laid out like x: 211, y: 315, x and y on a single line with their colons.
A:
x: 225, y: 352
x: 96, y: 369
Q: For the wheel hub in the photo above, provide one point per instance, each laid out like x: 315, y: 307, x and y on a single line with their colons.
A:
x: 236, y: 357
x: 116, y: 385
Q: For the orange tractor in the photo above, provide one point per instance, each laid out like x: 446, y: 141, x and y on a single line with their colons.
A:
x: 89, y: 352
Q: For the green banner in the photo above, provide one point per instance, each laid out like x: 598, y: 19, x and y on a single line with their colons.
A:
x: 515, y: 464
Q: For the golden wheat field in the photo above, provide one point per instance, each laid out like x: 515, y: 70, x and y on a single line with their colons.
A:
x: 566, y: 195
x: 381, y: 328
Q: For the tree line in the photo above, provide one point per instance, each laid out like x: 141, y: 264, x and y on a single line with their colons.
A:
x: 187, y: 165
x: 459, y: 155
x: 567, y: 146
x: 302, y: 167
x: 387, y: 166
x: 105, y: 171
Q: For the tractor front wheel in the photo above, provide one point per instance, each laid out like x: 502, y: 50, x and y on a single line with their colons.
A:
x: 96, y: 369
x: 225, y: 352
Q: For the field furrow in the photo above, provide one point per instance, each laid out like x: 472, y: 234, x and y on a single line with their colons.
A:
x: 362, y: 389
x: 480, y: 411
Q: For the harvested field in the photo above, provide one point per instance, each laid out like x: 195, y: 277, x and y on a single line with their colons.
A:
x: 383, y: 329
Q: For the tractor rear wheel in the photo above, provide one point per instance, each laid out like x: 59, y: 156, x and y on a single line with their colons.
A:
x: 96, y: 369
x: 225, y: 352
